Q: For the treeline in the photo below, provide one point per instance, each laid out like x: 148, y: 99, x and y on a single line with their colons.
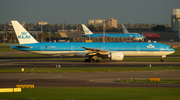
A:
x: 151, y: 27
x: 7, y: 33
x: 94, y: 28
x: 37, y: 27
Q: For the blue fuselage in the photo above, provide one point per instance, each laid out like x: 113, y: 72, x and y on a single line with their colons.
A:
x: 132, y: 35
x: 108, y: 46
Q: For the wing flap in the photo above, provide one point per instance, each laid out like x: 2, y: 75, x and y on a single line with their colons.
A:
x: 96, y: 51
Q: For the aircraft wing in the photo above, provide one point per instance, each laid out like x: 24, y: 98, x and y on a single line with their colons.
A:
x: 96, y: 51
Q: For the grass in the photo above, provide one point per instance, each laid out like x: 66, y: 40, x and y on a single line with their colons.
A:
x: 84, y: 69
x: 152, y: 59
x: 24, y: 55
x: 95, y: 93
x: 177, y: 51
x: 175, y: 81
x: 6, y: 48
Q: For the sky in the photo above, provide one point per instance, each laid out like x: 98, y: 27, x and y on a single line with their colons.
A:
x: 73, y: 11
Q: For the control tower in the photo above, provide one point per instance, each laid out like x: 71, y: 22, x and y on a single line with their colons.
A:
x: 175, y: 21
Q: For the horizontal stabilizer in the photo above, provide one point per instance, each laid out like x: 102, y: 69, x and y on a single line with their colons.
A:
x: 21, y: 46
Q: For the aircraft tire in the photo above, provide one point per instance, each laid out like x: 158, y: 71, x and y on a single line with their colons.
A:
x: 97, y: 61
x: 91, y: 60
x: 87, y: 60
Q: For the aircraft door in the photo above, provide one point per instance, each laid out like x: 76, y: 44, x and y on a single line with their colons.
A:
x: 72, y: 48
x: 102, y: 47
x: 42, y: 48
x: 161, y: 48
x: 138, y: 48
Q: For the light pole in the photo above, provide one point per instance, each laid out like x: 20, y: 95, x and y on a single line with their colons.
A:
x: 42, y: 23
x: 63, y: 26
x: 49, y: 35
x: 104, y: 31
x: 77, y: 27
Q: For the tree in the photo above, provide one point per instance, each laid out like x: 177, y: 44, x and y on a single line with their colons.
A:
x: 43, y: 36
x: 46, y: 27
x: 92, y: 28
x: 159, y: 28
x: 13, y: 37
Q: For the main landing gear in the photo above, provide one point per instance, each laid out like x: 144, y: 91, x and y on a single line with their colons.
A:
x: 92, y: 59
x: 162, y: 59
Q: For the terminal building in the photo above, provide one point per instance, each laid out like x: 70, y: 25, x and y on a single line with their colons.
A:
x: 95, y: 22
x: 111, y: 22
x: 175, y: 21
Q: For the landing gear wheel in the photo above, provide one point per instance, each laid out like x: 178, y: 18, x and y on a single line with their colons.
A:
x: 97, y: 61
x: 91, y: 60
x: 87, y: 60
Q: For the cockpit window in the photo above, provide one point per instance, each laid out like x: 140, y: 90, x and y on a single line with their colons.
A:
x: 170, y: 48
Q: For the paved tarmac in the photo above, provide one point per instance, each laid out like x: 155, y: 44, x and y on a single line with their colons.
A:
x: 6, y: 63
x: 100, y: 79
x: 105, y: 79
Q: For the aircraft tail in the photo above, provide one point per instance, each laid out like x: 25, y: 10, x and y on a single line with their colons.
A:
x: 23, y: 36
x: 124, y: 29
x: 86, y: 30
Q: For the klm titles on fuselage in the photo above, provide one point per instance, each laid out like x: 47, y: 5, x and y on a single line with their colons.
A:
x: 24, y: 36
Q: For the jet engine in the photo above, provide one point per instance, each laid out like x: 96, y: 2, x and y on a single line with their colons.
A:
x: 116, y: 55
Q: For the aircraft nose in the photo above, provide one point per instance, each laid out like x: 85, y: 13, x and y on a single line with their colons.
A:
x: 172, y: 50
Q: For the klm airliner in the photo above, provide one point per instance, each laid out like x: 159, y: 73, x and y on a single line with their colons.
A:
x: 88, y: 33
x: 147, y: 35
x: 113, y: 51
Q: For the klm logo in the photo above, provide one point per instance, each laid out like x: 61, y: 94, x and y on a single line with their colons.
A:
x: 150, y: 46
x: 24, y: 36
x: 86, y: 31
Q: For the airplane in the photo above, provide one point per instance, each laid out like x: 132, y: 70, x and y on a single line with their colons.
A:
x: 92, y: 50
x: 88, y: 33
x: 147, y: 35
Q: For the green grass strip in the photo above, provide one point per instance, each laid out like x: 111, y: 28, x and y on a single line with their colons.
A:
x: 84, y: 69
x: 93, y: 93
x: 6, y: 48
x: 152, y: 59
x: 177, y: 51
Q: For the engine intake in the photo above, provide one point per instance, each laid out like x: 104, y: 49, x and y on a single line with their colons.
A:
x: 116, y: 55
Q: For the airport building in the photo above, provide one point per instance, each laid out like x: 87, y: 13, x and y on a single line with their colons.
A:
x: 111, y: 22
x: 95, y: 22
x: 175, y: 21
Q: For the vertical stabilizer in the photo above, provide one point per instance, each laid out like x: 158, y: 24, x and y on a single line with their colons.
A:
x: 86, y: 30
x: 124, y: 29
x: 22, y: 35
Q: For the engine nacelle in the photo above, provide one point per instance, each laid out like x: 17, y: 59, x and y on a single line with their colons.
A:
x: 116, y: 55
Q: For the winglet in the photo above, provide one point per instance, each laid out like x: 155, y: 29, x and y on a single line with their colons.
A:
x: 23, y: 36
x: 86, y: 30
x: 124, y: 29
